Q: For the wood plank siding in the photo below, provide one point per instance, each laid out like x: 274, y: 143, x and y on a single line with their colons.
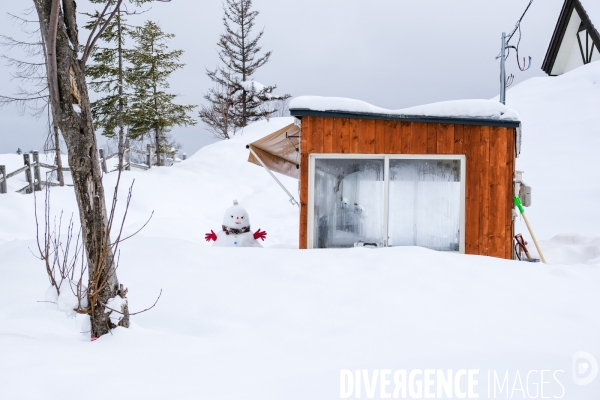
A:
x: 490, y: 166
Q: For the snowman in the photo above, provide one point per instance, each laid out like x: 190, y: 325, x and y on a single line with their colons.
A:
x: 236, y: 230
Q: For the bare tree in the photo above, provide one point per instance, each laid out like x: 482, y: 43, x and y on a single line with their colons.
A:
x: 237, y: 96
x: 218, y: 115
x: 70, y: 105
x: 279, y: 107
x: 66, y: 263
x: 32, y: 94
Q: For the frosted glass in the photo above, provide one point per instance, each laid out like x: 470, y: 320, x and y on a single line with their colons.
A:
x: 348, y: 202
x: 424, y: 204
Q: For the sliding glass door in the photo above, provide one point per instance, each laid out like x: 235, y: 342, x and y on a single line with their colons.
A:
x: 379, y: 200
x: 348, y: 202
x: 424, y: 203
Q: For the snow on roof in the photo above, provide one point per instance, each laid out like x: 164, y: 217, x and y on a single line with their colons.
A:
x: 469, y: 109
x: 592, y: 8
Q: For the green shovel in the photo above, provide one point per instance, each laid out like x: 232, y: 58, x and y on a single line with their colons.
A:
x: 537, y: 246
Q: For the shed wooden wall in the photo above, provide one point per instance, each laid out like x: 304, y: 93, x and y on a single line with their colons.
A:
x: 490, y: 154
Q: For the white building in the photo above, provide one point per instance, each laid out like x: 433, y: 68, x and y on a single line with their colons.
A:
x: 575, y: 41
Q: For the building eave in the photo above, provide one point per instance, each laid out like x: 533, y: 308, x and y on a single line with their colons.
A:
x: 302, y: 112
x: 560, y: 30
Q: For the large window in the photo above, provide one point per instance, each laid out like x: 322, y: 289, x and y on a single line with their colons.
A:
x: 348, y: 202
x: 399, y: 200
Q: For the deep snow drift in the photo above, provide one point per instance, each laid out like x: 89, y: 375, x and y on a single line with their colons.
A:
x: 278, y: 322
x: 559, y: 154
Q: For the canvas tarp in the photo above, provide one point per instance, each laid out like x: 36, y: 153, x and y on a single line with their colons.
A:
x: 280, y: 151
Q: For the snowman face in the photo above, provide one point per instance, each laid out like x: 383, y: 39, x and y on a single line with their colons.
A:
x: 236, y: 217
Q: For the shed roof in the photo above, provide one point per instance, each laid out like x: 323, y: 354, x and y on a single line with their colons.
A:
x: 469, y: 112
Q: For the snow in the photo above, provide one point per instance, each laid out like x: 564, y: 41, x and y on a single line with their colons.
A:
x: 484, y: 109
x: 252, y: 86
x: 277, y: 322
x: 561, y: 138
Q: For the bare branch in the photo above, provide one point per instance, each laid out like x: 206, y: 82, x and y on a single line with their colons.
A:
x: 89, y: 48
x: 139, y: 312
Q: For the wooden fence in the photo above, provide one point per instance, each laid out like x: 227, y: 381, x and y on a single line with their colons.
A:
x: 34, y: 178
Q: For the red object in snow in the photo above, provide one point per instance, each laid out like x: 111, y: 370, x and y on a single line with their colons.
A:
x: 211, y: 236
x: 94, y: 338
x: 260, y: 235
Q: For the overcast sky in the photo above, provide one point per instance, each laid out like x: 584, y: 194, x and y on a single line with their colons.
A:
x: 391, y: 53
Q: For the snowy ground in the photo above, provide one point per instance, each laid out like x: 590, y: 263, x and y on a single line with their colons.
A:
x: 279, y: 323
x: 561, y: 138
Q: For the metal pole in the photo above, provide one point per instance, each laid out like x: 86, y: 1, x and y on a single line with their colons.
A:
x: 292, y: 199
x: 503, y: 70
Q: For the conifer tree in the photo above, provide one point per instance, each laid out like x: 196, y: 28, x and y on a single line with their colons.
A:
x: 108, y: 77
x: 151, y: 109
x: 241, y: 98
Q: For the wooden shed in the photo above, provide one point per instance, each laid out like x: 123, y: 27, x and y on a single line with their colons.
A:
x: 437, y: 176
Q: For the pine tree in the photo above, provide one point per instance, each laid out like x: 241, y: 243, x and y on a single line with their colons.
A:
x: 152, y: 110
x: 108, y: 77
x: 241, y: 98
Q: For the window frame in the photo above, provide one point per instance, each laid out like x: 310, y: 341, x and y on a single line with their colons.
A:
x: 386, y: 194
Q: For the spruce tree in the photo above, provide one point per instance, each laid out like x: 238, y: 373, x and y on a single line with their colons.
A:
x: 236, y: 93
x: 151, y: 109
x: 107, y: 76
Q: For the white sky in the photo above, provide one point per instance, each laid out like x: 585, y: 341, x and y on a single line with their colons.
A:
x: 391, y: 53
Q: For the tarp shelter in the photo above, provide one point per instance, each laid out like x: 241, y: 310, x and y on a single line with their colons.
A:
x: 279, y: 151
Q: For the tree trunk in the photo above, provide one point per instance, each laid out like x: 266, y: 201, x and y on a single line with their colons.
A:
x: 157, y: 144
x: 78, y: 133
x: 121, y: 105
x: 59, y: 168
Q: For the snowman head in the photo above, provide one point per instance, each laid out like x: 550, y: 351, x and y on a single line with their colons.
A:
x: 236, y: 217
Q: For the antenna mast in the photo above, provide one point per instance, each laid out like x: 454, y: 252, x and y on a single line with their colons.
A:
x: 504, y: 53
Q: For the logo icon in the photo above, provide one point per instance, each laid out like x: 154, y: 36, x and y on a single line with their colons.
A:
x: 585, y: 368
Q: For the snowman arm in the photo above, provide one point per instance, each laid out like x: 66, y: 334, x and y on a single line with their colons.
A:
x: 211, y: 236
x: 260, y: 235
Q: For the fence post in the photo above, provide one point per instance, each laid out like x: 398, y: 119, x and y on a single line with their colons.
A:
x: 28, y: 173
x: 184, y: 156
x: 3, y: 188
x: 149, y: 155
x: 37, y: 176
x: 103, y: 161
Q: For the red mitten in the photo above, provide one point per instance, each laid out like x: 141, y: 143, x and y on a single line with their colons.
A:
x: 211, y: 236
x: 260, y: 235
